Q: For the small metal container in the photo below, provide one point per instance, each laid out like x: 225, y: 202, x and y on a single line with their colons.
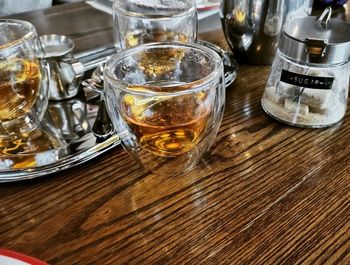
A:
x: 65, y: 71
x: 309, y: 80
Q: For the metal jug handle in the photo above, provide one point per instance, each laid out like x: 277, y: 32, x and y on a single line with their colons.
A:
x: 69, y: 73
x: 76, y: 68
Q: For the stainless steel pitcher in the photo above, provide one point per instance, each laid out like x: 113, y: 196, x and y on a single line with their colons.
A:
x: 66, y: 71
x: 252, y: 27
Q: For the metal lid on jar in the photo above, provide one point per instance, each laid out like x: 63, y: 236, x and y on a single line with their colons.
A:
x: 316, y: 40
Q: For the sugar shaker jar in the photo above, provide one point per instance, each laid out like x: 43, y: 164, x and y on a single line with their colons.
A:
x: 309, y: 80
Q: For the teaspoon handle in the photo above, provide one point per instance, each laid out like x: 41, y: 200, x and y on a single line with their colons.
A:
x: 102, y: 127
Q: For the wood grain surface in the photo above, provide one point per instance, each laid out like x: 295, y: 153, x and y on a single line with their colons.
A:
x: 267, y: 194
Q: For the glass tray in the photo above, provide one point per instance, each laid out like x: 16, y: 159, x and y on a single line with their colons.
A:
x: 72, y: 121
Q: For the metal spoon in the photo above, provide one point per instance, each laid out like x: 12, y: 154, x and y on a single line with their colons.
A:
x: 102, y: 127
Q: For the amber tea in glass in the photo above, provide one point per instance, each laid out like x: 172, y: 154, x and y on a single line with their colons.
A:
x: 19, y: 87
x: 24, y: 141
x: 133, y: 38
x: 158, y: 125
x: 23, y: 78
x: 166, y: 102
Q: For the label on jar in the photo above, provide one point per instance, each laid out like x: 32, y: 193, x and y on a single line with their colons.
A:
x: 307, y: 81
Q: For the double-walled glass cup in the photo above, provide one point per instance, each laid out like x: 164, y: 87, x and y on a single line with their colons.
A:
x: 136, y: 22
x: 166, y: 102
x: 23, y: 78
x: 25, y: 141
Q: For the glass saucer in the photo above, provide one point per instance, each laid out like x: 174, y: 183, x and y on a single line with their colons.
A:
x: 38, y: 147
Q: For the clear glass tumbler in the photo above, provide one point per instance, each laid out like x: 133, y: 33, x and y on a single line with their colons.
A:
x: 136, y: 22
x: 166, y: 102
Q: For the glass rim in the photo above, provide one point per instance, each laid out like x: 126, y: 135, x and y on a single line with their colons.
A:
x: 29, y: 27
x: 188, y: 87
x: 139, y: 15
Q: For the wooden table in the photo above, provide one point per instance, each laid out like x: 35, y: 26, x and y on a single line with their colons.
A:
x: 268, y: 193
